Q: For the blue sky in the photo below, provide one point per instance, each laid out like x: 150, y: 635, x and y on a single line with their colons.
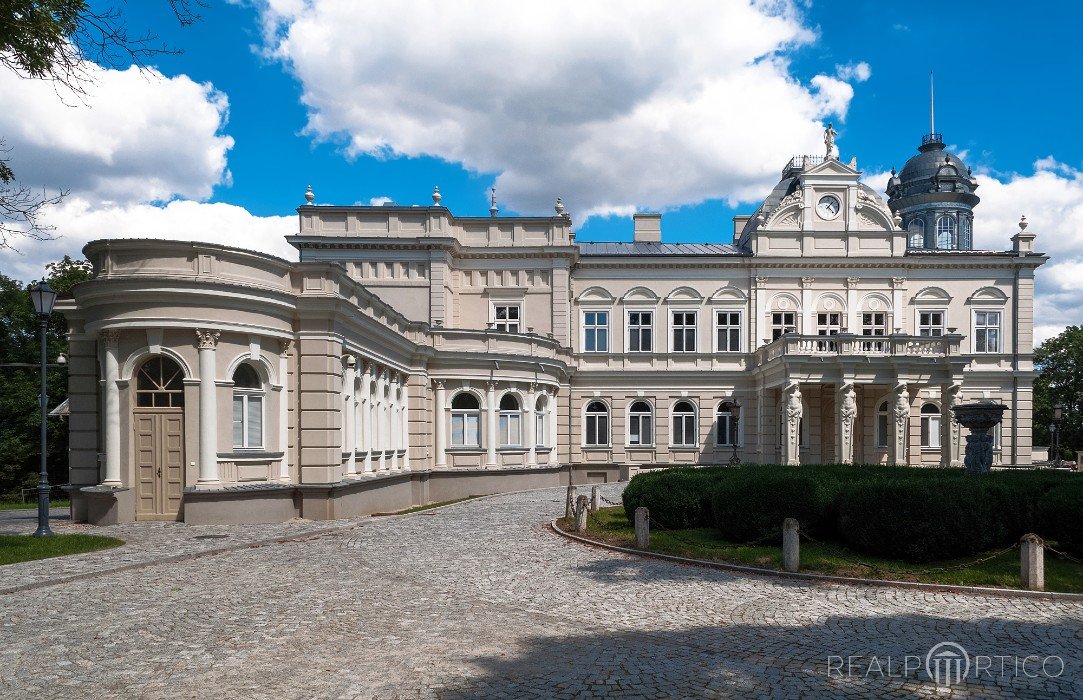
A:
x: 613, y: 106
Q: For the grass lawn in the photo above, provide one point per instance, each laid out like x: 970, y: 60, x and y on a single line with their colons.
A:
x: 34, y: 506
x: 16, y: 548
x: 610, y: 525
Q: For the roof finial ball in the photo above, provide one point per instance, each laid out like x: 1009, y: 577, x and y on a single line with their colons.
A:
x: 310, y: 196
x: 436, y: 196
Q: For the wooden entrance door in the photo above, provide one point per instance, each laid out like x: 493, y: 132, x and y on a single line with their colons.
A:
x: 159, y: 460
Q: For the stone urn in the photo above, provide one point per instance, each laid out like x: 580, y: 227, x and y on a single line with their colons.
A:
x: 980, y: 417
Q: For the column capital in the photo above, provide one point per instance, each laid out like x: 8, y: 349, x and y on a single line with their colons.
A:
x: 207, y: 339
x: 762, y: 281
x: 852, y: 282
x: 109, y: 336
x: 807, y: 282
x: 898, y: 282
x: 492, y: 385
x: 438, y: 384
x: 285, y: 346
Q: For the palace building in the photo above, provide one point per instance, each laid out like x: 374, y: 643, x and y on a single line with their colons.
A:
x: 414, y: 356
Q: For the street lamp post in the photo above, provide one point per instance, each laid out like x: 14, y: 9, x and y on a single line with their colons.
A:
x: 735, y: 416
x: 44, y: 297
x: 1058, y: 413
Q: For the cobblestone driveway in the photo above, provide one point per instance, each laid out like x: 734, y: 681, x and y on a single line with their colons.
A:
x: 479, y: 600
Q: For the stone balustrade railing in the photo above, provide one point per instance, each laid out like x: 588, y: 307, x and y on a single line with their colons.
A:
x: 900, y: 345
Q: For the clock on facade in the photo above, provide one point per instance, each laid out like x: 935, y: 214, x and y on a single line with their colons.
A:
x: 828, y: 207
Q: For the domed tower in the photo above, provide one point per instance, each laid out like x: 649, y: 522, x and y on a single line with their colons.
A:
x: 934, y: 195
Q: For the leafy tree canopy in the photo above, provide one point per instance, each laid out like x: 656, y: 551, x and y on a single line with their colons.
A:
x: 1060, y: 363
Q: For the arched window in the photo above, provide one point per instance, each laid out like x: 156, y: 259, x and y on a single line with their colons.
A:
x: 882, y: 425
x: 640, y: 419
x: 945, y: 233
x: 684, y: 424
x: 597, y: 430
x: 727, y: 426
x: 511, y: 420
x: 916, y: 231
x: 930, y: 425
x: 465, y: 420
x: 159, y: 384
x: 541, y: 408
x: 247, y: 408
x: 964, y: 239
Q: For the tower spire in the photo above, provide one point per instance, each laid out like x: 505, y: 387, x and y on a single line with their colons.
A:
x: 932, y: 99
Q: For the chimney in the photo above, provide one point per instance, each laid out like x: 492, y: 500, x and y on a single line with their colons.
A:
x: 648, y: 228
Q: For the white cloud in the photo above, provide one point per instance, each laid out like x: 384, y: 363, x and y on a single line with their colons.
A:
x: 81, y: 221
x: 379, y: 201
x: 137, y: 137
x: 857, y: 72
x: 1052, y: 200
x: 609, y: 104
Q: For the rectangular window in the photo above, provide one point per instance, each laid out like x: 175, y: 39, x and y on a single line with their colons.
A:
x: 639, y: 429
x: 727, y: 430
x: 874, y: 323
x: 465, y: 429
x: 596, y: 331
x: 640, y: 331
x: 828, y: 323
x: 986, y: 331
x: 881, y: 428
x: 783, y: 322
x: 507, y: 317
x: 539, y: 429
x: 597, y: 429
x: 684, y: 430
x: 931, y: 323
x: 510, y: 429
x: 247, y: 421
x: 728, y: 330
x: 930, y: 431
x: 684, y: 331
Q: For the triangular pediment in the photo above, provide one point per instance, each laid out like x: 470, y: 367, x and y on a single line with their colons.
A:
x: 831, y: 167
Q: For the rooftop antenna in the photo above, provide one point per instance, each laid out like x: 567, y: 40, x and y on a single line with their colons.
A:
x: 932, y: 122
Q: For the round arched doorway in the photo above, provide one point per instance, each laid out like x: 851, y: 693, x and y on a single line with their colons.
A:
x: 158, y: 424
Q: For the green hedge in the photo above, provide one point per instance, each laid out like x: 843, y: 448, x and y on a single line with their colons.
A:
x: 897, y: 512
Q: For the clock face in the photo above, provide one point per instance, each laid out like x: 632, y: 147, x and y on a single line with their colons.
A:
x: 828, y: 207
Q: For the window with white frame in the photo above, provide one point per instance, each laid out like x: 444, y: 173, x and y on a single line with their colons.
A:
x: 945, y: 233
x: 930, y: 425
x: 931, y: 323
x: 684, y: 331
x: 640, y: 424
x: 726, y: 426
x: 640, y: 331
x: 541, y: 409
x: 882, y: 424
x: 727, y: 326
x: 247, y: 408
x: 511, y: 421
x: 916, y: 231
x: 597, y: 425
x: 986, y: 331
x: 465, y: 421
x: 828, y: 323
x: 783, y: 322
x: 684, y: 433
x: 596, y: 331
x: 507, y: 317
x: 964, y: 237
x: 874, y: 324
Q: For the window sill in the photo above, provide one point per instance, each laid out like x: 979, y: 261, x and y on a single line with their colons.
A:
x: 596, y: 448
x: 512, y: 450
x: 466, y: 450
x: 251, y: 454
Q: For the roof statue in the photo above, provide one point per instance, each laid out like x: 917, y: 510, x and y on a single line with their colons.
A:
x: 829, y: 141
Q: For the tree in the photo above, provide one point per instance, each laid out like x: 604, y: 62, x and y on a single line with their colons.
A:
x: 19, y: 386
x: 1059, y: 362
x: 57, y: 40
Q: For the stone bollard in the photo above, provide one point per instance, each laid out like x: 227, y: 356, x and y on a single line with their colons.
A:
x: 791, y: 545
x: 643, y: 527
x: 581, y: 512
x: 595, y: 499
x: 1032, y: 562
x: 569, y: 505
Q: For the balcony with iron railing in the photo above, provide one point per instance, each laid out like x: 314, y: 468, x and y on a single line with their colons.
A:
x: 799, y: 163
x: 849, y: 345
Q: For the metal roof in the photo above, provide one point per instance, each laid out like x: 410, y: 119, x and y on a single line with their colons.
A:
x: 607, y: 248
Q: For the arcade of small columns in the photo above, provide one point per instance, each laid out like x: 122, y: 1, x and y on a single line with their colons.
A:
x: 376, y: 421
x: 899, y: 451
x: 490, y: 436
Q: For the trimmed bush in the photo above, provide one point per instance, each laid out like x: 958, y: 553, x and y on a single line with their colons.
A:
x: 677, y: 498
x: 753, y: 503
x: 1061, y: 514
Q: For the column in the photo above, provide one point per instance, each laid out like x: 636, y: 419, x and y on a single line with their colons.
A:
x: 899, y: 318
x: 208, y: 408
x: 366, y: 414
x: 900, y: 415
x: 762, y: 332
x: 349, y: 395
x: 808, y: 316
x: 490, y: 426
x: 381, y: 418
x: 393, y: 419
x: 440, y: 426
x: 110, y: 341
x: 284, y: 409
x: 404, y: 422
x: 531, y: 427
x: 950, y: 395
x: 794, y: 411
x: 847, y: 403
x: 551, y: 406
x: 853, y: 324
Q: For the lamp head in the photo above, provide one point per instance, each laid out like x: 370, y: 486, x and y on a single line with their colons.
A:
x: 43, y: 297
x: 1058, y: 411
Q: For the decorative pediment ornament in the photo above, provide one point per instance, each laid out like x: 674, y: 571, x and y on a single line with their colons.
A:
x: 791, y: 198
x: 866, y: 221
x: 789, y: 222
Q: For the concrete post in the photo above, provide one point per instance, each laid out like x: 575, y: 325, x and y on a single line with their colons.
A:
x: 791, y: 545
x: 582, y: 510
x: 569, y: 505
x: 1032, y: 562
x: 595, y: 499
x: 643, y: 527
